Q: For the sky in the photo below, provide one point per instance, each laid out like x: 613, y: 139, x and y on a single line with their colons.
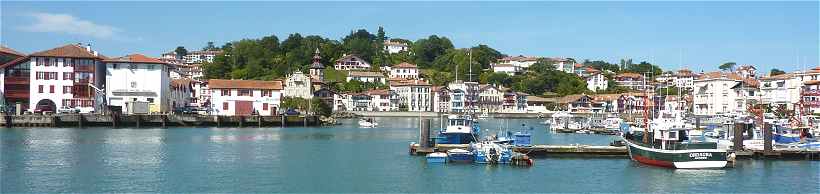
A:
x: 694, y: 35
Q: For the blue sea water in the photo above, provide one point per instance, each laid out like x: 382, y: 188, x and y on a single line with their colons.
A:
x: 341, y: 158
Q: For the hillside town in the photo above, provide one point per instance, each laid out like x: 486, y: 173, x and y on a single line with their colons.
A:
x: 75, y: 78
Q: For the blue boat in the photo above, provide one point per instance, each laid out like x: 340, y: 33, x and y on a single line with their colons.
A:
x: 460, y: 156
x: 491, y: 153
x: 437, y: 157
x: 461, y: 129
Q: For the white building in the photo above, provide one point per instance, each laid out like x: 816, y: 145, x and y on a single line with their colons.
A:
x: 596, y: 82
x: 298, y: 85
x: 633, y: 81
x: 138, y: 78
x: 685, y: 80
x: 351, y: 62
x: 395, y: 47
x: 718, y: 93
x: 490, y: 98
x: 507, y: 68
x: 199, y: 57
x: 563, y: 64
x: 384, y: 100
x: 521, y: 62
x: 537, y: 104
x: 202, y: 94
x: 404, y: 70
x: 413, y: 94
x: 245, y: 97
x: 366, y: 77
x: 63, y: 77
x: 781, y: 90
x: 441, y: 99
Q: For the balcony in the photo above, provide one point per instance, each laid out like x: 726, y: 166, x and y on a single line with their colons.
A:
x: 17, y: 80
x: 811, y: 92
x: 83, y: 68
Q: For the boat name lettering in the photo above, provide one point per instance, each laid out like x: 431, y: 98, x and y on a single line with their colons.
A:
x: 700, y: 156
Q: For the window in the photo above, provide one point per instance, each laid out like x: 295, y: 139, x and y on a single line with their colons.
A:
x: 224, y: 106
x: 51, y: 89
x: 66, y: 89
x: 40, y: 88
x: 133, y: 84
x: 264, y: 106
x: 68, y: 62
x: 115, y: 66
x: 245, y: 92
x: 150, y: 66
x: 150, y: 100
x: 68, y: 76
x: 266, y: 93
x: 226, y: 92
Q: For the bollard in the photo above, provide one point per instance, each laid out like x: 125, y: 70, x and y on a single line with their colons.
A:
x: 139, y: 120
x: 9, y: 123
x: 241, y: 121
x: 738, y: 139
x: 424, y: 133
x: 767, y: 138
x: 259, y: 121
x: 80, y: 120
x: 164, y: 120
x: 283, y: 120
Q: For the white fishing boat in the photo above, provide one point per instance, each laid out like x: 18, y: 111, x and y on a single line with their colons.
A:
x: 367, y: 123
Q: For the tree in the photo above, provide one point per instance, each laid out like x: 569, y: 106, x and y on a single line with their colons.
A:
x: 180, y: 51
x: 776, y: 71
x: 502, y: 79
x: 315, y: 105
x: 728, y: 66
x: 644, y: 67
x: 428, y: 49
x: 602, y: 65
x: 209, y: 47
x: 668, y: 91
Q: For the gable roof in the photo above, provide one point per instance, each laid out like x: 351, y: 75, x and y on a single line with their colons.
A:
x: 7, y: 50
x: 70, y: 50
x: 135, y: 58
x: 244, y: 84
x: 405, y: 65
x: 349, y: 57
x: 629, y: 75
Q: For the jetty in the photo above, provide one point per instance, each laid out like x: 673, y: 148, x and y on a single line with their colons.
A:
x: 538, y: 150
x: 155, y: 120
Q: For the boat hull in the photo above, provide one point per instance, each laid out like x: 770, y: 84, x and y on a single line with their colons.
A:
x: 455, y: 138
x: 683, y: 159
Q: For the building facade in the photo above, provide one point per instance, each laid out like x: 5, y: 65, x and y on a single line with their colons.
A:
x: 298, y: 85
x: 138, y: 78
x: 414, y: 95
x: 366, y: 77
x: 245, y: 97
x: 68, y: 76
x: 351, y: 62
x: 404, y: 70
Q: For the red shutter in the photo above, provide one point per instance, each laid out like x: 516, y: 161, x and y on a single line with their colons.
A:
x: 51, y: 89
x: 225, y: 106
x: 40, y: 88
x: 264, y: 106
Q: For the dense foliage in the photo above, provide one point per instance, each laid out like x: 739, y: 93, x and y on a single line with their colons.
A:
x: 440, y: 62
x: 316, y: 105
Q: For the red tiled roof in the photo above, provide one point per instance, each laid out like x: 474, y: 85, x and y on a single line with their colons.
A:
x: 409, y: 83
x: 777, y: 77
x: 379, y: 92
x: 4, y: 49
x: 504, y: 65
x: 135, y: 58
x: 405, y: 65
x: 71, y: 50
x: 812, y: 82
x: 630, y: 75
x: 244, y: 84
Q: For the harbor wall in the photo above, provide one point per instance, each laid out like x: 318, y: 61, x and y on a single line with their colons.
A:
x: 154, y: 120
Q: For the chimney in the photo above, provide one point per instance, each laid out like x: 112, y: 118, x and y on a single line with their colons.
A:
x: 88, y: 47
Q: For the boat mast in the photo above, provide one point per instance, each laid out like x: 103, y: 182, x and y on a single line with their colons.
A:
x: 645, y: 113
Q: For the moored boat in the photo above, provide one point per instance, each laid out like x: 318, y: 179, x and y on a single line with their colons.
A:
x: 461, y: 129
x: 666, y: 144
x: 367, y: 123
x: 460, y: 156
x: 437, y: 157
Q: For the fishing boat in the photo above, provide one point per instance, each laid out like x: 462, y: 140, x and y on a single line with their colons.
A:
x: 666, y: 144
x: 461, y: 129
x: 460, y: 156
x: 491, y: 153
x: 437, y: 157
x: 367, y: 123
x: 559, y: 120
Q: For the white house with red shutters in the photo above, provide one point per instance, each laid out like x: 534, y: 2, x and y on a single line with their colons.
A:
x: 245, y: 97
x: 64, y: 77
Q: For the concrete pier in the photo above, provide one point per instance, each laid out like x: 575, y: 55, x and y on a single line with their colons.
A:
x: 156, y: 120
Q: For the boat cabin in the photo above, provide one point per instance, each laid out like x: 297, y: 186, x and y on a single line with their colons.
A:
x: 459, y: 124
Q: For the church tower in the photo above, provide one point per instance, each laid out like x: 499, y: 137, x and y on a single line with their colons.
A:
x: 317, y: 69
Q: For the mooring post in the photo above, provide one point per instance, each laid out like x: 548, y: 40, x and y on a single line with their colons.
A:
x: 54, y: 120
x: 80, y: 120
x: 164, y: 118
x: 283, y: 120
x: 114, y: 120
x: 218, y: 121
x: 9, y: 123
x: 259, y: 121
x: 139, y: 120
x: 241, y: 121
x: 424, y: 133
x: 738, y: 139
x: 305, y: 121
x: 767, y: 138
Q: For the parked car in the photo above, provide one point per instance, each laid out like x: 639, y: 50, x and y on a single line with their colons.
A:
x: 292, y: 112
x: 44, y: 109
x: 67, y: 110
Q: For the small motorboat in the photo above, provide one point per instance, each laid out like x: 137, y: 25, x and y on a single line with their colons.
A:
x: 483, y: 116
x: 437, y: 157
x: 460, y: 156
x: 367, y: 123
x: 491, y: 153
x: 583, y: 131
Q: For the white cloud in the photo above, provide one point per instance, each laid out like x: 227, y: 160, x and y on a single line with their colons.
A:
x: 68, y: 24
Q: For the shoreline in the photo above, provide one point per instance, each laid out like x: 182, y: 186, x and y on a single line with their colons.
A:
x: 436, y: 115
